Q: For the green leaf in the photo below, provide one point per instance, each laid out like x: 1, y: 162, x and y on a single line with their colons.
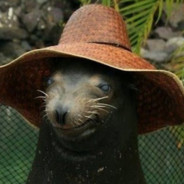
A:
x: 160, y: 8
x: 139, y: 16
x: 177, y: 62
x: 106, y: 2
x: 132, y: 7
x: 137, y: 10
x: 141, y: 21
x: 84, y: 2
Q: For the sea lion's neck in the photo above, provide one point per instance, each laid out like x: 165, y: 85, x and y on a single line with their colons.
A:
x: 106, y: 164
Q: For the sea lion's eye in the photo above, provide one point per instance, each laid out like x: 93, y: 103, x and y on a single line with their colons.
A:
x: 105, y: 87
x: 50, y: 81
x: 47, y: 80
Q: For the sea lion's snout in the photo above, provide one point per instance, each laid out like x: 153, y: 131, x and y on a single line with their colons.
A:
x: 83, y: 113
x: 60, y: 114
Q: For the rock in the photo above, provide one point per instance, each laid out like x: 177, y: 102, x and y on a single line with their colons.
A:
x: 5, y: 5
x: 163, y: 51
x: 155, y: 44
x: 165, y: 32
x: 178, y: 41
x: 41, y: 25
x: 9, y: 19
x: 33, y: 23
x: 17, y: 11
x: 12, y: 49
x: 10, y: 33
x: 4, y: 59
x: 56, y: 14
x: 173, y: 43
x: 177, y: 15
x: 29, y: 6
x: 30, y: 20
x: 33, y: 38
x: 52, y: 16
x: 41, y: 1
x: 53, y: 36
x: 49, y: 25
x: 10, y: 26
x: 181, y: 25
x: 26, y: 45
x: 13, y: 3
x: 156, y: 56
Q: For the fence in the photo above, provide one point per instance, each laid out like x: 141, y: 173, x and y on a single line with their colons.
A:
x: 161, y: 153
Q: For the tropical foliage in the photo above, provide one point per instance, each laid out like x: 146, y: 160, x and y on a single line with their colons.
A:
x: 177, y: 63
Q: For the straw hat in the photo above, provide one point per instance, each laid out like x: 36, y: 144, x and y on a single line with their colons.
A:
x: 96, y: 33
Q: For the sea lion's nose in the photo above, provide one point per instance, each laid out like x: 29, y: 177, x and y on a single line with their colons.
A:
x: 60, y: 114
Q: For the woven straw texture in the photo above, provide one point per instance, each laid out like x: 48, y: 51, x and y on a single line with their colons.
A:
x: 96, y: 33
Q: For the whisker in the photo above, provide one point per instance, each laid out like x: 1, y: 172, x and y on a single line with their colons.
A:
x: 40, y: 97
x: 89, y: 117
x: 77, y: 123
x: 97, y: 99
x: 93, y: 112
x: 107, y: 105
x: 46, y: 110
x: 102, y: 109
x: 80, y: 116
x: 80, y: 120
x: 43, y: 93
x: 98, y: 106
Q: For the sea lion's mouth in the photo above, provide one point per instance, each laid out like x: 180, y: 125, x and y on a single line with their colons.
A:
x: 75, y: 129
x: 69, y: 126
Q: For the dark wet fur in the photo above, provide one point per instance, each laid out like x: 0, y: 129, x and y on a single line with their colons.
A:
x: 109, y: 156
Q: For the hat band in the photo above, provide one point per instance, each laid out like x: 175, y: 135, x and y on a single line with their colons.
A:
x: 113, y: 44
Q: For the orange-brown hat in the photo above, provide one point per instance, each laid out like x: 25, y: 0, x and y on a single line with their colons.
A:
x: 96, y: 33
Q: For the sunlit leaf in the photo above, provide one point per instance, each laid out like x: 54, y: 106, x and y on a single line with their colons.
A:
x: 106, y: 2
x: 160, y: 9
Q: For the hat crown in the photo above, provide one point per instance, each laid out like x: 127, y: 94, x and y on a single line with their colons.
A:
x: 96, y: 24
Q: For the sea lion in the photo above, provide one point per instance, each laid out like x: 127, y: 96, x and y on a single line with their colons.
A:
x: 89, y: 129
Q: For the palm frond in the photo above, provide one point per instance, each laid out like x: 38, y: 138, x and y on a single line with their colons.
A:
x: 106, y: 2
x: 140, y: 17
x: 84, y: 2
x: 177, y: 62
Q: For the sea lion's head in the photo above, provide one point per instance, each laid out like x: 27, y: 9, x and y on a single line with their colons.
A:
x: 81, y: 97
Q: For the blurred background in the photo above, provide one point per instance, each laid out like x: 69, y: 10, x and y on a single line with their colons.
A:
x: 156, y: 31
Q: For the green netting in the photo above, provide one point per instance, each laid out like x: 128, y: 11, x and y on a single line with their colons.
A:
x: 162, y: 156
x: 17, y: 147
x: 161, y: 153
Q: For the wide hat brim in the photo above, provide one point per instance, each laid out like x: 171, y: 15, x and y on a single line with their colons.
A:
x: 160, y: 97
